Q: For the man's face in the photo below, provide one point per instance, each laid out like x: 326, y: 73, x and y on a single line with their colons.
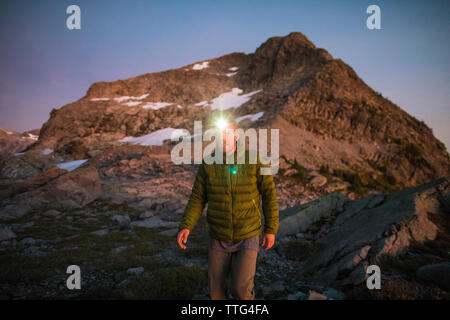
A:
x: 229, y: 136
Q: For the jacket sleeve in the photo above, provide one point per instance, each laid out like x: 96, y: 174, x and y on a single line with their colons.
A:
x: 196, y: 201
x: 268, y: 193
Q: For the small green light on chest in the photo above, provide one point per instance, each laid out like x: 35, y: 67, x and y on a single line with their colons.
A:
x: 233, y: 169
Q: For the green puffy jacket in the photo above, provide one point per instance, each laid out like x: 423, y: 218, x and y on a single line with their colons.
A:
x: 233, y: 192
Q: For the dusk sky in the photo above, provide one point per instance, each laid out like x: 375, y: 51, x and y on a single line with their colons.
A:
x: 43, y: 65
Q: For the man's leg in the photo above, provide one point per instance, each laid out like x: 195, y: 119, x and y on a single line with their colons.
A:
x: 243, y: 268
x: 218, y: 268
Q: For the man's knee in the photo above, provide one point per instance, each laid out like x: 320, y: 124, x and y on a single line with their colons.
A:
x: 243, y: 291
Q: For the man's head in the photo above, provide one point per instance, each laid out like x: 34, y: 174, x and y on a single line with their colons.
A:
x: 230, y: 134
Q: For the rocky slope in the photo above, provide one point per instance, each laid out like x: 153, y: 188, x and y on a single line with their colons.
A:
x: 327, y: 115
x: 12, y: 142
x: 349, y: 235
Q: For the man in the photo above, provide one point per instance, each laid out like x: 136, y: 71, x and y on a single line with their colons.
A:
x: 232, y: 192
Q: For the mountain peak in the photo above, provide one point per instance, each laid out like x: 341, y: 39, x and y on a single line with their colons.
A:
x: 299, y: 37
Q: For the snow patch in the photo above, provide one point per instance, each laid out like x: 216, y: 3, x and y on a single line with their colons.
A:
x: 230, y: 74
x: 252, y: 117
x: 156, y: 105
x: 99, y: 99
x: 233, y: 68
x: 200, y: 66
x: 47, y: 151
x: 156, y: 138
x: 71, y: 165
x: 202, y: 103
x: 133, y: 103
x: 19, y: 154
x: 125, y: 98
x: 231, y: 99
x: 141, y: 97
x: 32, y: 136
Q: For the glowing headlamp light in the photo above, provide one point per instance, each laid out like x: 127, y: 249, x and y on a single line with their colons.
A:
x: 221, y: 123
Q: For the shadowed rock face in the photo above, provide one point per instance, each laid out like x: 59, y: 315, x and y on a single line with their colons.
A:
x: 369, y: 228
x: 436, y: 273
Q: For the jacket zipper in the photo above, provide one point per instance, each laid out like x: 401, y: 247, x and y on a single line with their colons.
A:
x: 232, y: 202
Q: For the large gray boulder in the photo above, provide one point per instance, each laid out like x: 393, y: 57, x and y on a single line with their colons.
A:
x: 374, y: 226
x: 309, y: 213
x: 438, y: 274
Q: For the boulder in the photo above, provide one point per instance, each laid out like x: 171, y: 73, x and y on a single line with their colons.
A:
x: 438, y: 274
x: 313, y: 295
x: 68, y: 191
x: 135, y: 271
x: 32, y: 183
x: 154, y: 222
x: 6, y: 233
x: 121, y: 220
x: 311, y: 212
x: 374, y: 226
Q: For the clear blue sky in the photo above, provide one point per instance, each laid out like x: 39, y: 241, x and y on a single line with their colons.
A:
x: 43, y: 65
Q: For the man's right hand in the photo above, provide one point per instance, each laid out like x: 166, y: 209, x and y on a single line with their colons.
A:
x: 182, y: 238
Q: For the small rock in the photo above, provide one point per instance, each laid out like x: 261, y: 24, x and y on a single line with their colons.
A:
x: 28, y: 241
x: 122, y: 220
x: 6, y: 233
x: 101, y: 232
x: 147, y: 214
x: 438, y: 274
x: 300, y: 235
x: 297, y: 295
x: 318, y: 181
x: 154, y: 222
x: 135, y: 271
x: 51, y: 213
x: 119, y: 249
x: 277, y: 286
x: 169, y: 233
x: 313, y: 295
x: 334, y: 294
x: 289, y: 172
x: 90, y: 220
x: 32, y: 249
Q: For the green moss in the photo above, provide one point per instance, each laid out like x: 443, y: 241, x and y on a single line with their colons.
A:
x: 301, y: 174
x: 408, y: 149
x: 167, y: 283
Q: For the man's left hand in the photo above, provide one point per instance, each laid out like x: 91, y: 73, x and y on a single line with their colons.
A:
x: 268, y: 240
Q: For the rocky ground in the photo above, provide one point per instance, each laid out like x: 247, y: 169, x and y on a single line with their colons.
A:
x: 117, y: 215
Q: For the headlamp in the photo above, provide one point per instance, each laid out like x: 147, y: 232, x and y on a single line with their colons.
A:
x: 221, y: 124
